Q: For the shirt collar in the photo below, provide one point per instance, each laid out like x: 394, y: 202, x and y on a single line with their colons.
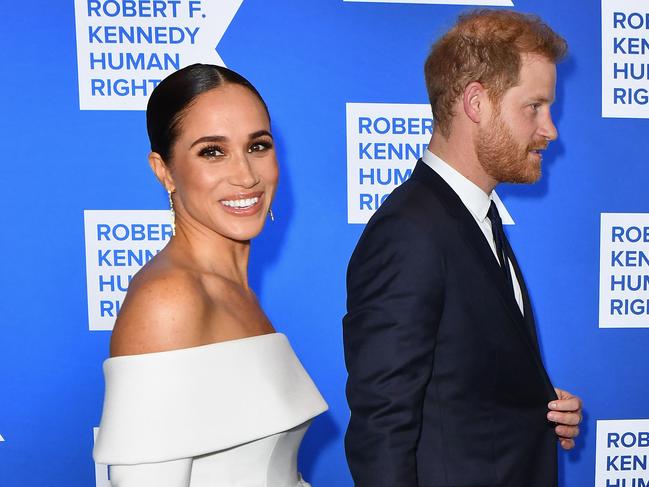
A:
x: 476, y: 200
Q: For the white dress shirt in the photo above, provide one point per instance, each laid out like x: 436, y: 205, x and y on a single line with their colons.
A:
x: 477, y: 202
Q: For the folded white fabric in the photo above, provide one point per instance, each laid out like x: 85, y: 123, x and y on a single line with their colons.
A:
x: 184, y: 403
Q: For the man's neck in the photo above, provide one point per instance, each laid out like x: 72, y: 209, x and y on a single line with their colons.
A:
x: 459, y: 153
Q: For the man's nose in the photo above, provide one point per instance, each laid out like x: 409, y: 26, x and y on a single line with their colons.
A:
x: 548, y: 130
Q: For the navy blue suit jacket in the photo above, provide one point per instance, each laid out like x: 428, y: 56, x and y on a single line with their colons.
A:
x: 446, y: 385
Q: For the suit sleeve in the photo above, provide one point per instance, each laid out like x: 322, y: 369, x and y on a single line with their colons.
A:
x: 174, y: 473
x: 394, y: 304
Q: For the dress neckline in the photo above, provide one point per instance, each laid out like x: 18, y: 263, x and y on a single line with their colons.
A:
x: 197, y: 348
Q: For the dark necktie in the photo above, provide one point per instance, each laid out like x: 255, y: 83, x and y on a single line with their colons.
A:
x: 499, y: 239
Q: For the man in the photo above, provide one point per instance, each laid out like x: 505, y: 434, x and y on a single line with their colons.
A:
x: 446, y: 384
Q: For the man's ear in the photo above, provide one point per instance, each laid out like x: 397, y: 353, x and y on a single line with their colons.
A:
x: 475, y: 101
x: 161, y: 171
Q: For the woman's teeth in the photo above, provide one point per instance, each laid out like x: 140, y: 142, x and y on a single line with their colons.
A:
x: 244, y: 203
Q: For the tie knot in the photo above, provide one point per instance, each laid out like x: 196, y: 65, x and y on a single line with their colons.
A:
x: 493, y: 214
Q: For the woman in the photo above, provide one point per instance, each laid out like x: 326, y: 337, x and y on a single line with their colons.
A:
x: 200, y: 390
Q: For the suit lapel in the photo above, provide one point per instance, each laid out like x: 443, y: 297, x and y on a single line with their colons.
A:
x: 530, y: 323
x: 476, y: 240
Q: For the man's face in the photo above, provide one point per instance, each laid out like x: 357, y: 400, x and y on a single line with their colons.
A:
x: 520, y: 126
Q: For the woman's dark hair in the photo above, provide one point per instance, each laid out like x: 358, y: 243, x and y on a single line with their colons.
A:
x: 174, y: 95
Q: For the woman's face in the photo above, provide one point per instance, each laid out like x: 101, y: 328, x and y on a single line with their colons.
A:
x: 224, y: 167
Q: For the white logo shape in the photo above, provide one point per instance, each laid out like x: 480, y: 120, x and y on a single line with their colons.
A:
x: 125, y: 48
x: 625, y: 72
x: 118, y: 244
x: 624, y: 270
x: 1, y: 438
x: 490, y: 3
x: 622, y: 452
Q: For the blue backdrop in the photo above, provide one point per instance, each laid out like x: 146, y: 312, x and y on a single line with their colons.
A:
x: 308, y: 59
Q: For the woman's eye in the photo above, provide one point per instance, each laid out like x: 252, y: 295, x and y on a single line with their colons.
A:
x: 259, y: 147
x: 210, y: 152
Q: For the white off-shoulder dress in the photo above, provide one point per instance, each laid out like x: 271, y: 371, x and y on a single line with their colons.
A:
x: 229, y: 414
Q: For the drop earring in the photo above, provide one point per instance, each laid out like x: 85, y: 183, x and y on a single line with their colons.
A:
x: 270, y: 214
x: 173, y: 213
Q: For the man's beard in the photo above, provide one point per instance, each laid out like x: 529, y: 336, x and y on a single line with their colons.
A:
x: 504, y: 159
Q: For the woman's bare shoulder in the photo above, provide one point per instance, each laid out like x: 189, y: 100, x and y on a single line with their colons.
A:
x: 164, y: 309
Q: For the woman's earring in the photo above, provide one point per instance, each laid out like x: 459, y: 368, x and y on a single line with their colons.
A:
x: 270, y: 214
x: 173, y: 213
